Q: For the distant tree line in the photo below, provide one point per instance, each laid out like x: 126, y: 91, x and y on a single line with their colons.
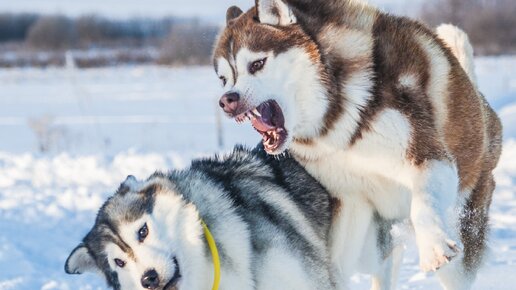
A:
x: 490, y: 24
x: 62, y: 32
x: 177, y: 41
x: 188, y: 44
x: 14, y: 27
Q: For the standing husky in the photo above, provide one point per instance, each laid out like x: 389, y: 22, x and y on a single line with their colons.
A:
x: 380, y: 111
x: 270, y: 220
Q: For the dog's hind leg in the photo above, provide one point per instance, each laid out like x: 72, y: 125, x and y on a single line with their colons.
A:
x: 389, y: 252
x: 387, y: 277
x: 350, y: 238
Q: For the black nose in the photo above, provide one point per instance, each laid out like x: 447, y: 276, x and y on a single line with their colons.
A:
x: 229, y: 102
x: 150, y: 279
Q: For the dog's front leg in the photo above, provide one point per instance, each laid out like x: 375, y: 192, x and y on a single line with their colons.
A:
x: 434, y: 197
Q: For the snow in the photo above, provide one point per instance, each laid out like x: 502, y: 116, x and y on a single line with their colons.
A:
x: 97, y: 126
x: 85, y: 111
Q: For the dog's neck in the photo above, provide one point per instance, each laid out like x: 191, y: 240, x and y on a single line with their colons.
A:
x: 230, y: 235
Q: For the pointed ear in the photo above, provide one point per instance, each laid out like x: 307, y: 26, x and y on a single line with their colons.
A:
x: 129, y: 184
x: 232, y: 13
x: 275, y: 12
x: 80, y: 261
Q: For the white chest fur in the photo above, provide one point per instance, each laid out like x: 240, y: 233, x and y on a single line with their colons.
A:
x: 374, y: 168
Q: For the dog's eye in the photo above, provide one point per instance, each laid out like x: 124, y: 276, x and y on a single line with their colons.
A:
x: 142, y: 233
x: 224, y: 80
x: 119, y: 263
x: 257, y: 65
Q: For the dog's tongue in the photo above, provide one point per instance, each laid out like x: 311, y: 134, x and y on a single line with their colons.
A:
x: 264, y: 123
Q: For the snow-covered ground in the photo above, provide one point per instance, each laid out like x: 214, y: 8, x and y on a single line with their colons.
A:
x: 68, y: 137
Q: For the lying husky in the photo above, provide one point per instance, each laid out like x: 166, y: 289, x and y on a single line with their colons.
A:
x: 269, y: 219
x: 380, y: 111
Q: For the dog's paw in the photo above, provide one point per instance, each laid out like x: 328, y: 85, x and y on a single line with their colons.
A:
x: 434, y: 253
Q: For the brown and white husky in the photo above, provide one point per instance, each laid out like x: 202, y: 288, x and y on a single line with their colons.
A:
x: 379, y: 109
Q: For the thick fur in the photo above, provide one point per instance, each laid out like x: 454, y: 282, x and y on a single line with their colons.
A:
x: 269, y: 217
x: 458, y: 41
x: 380, y: 111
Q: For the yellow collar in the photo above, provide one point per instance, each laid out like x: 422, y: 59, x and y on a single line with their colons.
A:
x: 214, y: 254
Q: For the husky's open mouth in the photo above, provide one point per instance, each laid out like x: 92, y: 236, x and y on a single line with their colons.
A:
x: 267, y: 118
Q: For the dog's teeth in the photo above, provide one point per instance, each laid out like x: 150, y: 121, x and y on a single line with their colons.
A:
x: 269, y: 140
x: 241, y: 117
x: 255, y: 111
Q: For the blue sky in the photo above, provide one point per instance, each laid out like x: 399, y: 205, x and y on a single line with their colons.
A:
x: 212, y: 10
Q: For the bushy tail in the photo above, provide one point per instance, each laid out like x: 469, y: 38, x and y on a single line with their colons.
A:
x: 457, y: 40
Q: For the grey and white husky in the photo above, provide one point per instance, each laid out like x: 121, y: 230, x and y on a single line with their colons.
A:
x: 383, y: 111
x: 269, y: 218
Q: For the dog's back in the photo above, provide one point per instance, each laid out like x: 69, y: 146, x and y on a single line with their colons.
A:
x: 287, y: 212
